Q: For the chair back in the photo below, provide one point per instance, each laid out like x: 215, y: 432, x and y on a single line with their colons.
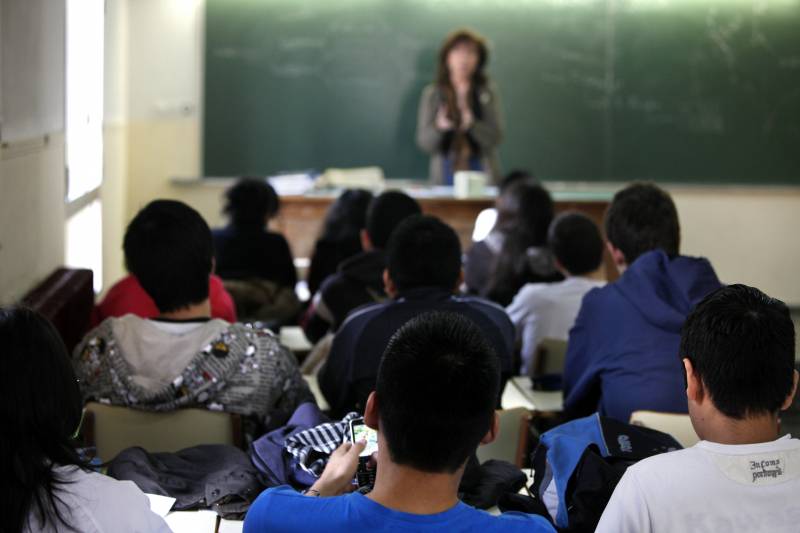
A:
x: 550, y: 357
x: 512, y: 439
x: 111, y: 429
x: 679, y: 425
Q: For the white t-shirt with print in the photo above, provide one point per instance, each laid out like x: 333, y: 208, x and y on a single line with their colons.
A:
x: 710, y: 487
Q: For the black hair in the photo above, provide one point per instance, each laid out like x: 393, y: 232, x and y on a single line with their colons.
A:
x: 437, y: 389
x: 387, y: 211
x: 515, y: 176
x: 168, y: 247
x: 642, y: 217
x: 741, y: 345
x: 524, y: 213
x: 576, y: 242
x: 424, y: 252
x: 40, y: 410
x: 251, y: 202
x: 347, y: 216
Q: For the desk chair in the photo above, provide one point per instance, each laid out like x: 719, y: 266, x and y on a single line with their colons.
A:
x: 550, y: 357
x: 676, y: 424
x: 111, y: 429
x: 512, y: 441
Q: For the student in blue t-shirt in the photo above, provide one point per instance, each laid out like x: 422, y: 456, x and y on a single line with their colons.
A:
x: 434, y: 403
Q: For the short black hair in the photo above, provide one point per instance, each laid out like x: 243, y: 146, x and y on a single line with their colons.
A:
x: 642, y: 217
x: 251, y: 202
x: 424, y: 252
x: 741, y: 345
x: 437, y: 389
x: 168, y: 247
x: 385, y: 212
x: 576, y: 242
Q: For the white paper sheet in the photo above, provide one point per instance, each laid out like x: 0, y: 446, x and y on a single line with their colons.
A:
x: 192, y: 521
x: 160, y: 505
x: 231, y: 526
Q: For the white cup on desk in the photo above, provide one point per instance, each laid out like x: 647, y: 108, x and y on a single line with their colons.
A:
x: 469, y: 183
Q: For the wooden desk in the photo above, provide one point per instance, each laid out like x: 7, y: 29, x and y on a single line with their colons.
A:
x: 301, y: 217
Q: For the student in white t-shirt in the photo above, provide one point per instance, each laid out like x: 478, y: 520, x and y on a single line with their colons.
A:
x: 44, y: 485
x: 548, y: 310
x: 738, y: 352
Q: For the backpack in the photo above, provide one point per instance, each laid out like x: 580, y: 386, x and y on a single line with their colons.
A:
x: 578, y: 464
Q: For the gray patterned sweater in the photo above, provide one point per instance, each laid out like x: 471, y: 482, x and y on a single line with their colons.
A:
x: 244, y: 370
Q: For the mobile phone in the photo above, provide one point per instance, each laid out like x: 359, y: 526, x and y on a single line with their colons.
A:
x: 365, y: 476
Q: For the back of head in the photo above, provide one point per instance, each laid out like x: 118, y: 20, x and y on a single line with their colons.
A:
x: 515, y: 176
x: 576, y: 242
x: 386, y: 212
x: 251, y: 202
x: 424, y: 252
x: 168, y: 247
x: 524, y: 212
x: 741, y: 344
x: 40, y: 409
x: 437, y: 389
x: 347, y: 216
x: 642, y: 217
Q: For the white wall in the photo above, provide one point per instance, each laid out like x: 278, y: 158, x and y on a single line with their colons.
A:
x: 32, y: 176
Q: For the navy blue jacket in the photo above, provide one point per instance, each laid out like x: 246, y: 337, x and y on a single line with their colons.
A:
x: 352, y: 367
x: 622, y: 354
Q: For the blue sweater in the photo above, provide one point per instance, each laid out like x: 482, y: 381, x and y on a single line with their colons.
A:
x: 623, y: 349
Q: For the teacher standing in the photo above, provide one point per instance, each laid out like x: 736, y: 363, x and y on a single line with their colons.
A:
x: 459, y: 121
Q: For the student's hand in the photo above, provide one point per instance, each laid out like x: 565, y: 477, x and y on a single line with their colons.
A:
x: 337, y: 478
x: 443, y: 123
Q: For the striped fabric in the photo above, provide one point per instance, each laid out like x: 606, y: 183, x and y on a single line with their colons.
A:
x: 313, y: 447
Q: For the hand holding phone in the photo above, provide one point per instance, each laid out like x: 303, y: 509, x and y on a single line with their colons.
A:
x: 365, y: 475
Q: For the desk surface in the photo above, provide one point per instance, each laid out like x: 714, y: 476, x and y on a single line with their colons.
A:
x: 519, y: 393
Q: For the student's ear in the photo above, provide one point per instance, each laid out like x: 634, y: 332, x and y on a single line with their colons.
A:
x: 789, y: 399
x: 564, y: 272
x: 366, y: 242
x: 388, y: 285
x: 694, y: 386
x: 371, y: 411
x: 459, y: 282
x: 494, y: 429
x: 617, y: 256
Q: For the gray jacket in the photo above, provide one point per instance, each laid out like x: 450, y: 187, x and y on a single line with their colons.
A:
x: 486, y: 132
x: 245, y: 370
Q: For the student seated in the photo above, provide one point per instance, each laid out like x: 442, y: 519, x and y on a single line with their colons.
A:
x: 548, y: 310
x: 184, y: 358
x: 515, y: 252
x: 340, y: 237
x: 433, y: 405
x: 359, y: 279
x: 621, y: 351
x: 245, y: 248
x: 487, y: 218
x: 46, y: 486
x: 423, y: 273
x: 738, y: 349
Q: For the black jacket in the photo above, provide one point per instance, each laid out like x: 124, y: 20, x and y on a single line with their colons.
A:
x: 352, y: 367
x: 358, y: 281
x: 251, y: 252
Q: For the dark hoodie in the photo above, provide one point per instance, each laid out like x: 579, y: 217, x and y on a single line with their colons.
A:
x: 358, y: 281
x: 623, y: 350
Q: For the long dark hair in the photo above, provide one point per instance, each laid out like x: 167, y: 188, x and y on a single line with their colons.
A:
x: 479, y: 78
x: 40, y: 410
x: 347, y: 216
x: 524, y: 212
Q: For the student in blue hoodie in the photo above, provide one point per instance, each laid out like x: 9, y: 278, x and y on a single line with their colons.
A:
x: 623, y: 350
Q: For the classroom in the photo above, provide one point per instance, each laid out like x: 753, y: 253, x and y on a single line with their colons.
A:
x: 262, y: 248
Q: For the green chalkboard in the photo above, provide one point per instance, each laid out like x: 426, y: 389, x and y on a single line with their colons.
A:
x: 668, y: 90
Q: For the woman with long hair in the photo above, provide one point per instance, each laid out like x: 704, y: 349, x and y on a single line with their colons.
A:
x: 459, y: 122
x: 44, y: 483
x: 341, y: 235
x: 515, y: 252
